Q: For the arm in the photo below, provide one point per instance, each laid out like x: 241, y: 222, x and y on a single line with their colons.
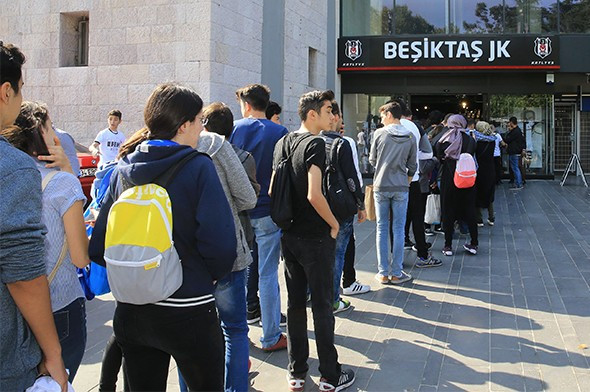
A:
x: 318, y: 201
x: 373, y: 153
x: 76, y: 234
x: 425, y: 150
x: 411, y: 162
x: 250, y: 167
x: 346, y: 161
x: 241, y: 190
x: 481, y: 137
x: 95, y: 149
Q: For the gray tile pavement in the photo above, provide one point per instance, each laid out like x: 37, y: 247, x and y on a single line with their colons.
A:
x: 513, y: 317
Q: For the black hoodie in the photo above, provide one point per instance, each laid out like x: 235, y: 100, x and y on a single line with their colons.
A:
x: 203, y: 226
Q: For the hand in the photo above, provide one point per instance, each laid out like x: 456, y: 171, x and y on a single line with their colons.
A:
x: 56, y: 369
x: 334, y: 231
x: 94, y: 152
x: 57, y: 157
x: 362, y: 216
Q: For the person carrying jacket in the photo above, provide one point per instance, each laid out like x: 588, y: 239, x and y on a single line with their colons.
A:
x: 184, y: 326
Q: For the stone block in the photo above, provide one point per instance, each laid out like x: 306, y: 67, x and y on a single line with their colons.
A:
x: 109, y: 94
x: 98, y: 55
x: 149, y: 53
x: 163, y: 33
x: 138, y: 35
x: 139, y: 93
x: 72, y: 95
x: 72, y: 76
x: 36, y: 77
x: 190, y: 71
x: 147, y: 15
x: 125, y: 17
x: 160, y: 73
x: 134, y: 74
x: 123, y: 54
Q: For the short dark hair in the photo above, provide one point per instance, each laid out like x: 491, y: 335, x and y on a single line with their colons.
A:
x: 406, y: 111
x: 470, y: 122
x: 11, y: 63
x: 336, y: 109
x: 272, y: 109
x: 513, y: 120
x: 256, y: 95
x: 116, y: 113
x: 313, y: 100
x: 220, y: 119
x: 447, y: 117
x: 392, y: 107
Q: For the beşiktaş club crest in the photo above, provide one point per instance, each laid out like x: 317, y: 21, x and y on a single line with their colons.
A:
x: 353, y: 49
x: 543, y: 47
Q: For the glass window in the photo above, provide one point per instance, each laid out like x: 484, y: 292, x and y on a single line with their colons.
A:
x: 530, y: 16
x: 575, y: 16
x: 373, y: 17
x: 476, y: 17
x: 420, y: 16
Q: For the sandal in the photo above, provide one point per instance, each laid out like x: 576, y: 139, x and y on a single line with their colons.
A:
x: 295, y: 384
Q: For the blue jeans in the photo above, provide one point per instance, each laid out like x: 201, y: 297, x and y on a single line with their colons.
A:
x: 341, y: 244
x: 514, y: 159
x: 230, y: 298
x: 70, y: 322
x: 268, y: 239
x: 398, y: 202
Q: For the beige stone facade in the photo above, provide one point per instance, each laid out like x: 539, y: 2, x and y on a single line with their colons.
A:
x: 214, y: 46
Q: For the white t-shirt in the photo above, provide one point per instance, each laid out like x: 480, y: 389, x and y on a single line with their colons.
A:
x: 109, y: 143
x: 410, y: 126
x: 497, y: 151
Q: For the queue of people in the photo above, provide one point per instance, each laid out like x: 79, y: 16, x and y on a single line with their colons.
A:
x: 188, y: 234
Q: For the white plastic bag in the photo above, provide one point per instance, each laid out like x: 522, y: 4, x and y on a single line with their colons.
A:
x: 47, y: 384
x: 432, y: 213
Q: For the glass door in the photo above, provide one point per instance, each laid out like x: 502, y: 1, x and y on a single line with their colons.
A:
x: 565, y: 134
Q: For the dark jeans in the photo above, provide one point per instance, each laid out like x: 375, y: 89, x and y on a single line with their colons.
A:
x: 150, y: 334
x: 111, y: 364
x: 499, y: 169
x: 415, y: 217
x: 460, y: 205
x: 70, y: 322
x: 310, y: 262
x: 252, y: 280
x: 348, y: 272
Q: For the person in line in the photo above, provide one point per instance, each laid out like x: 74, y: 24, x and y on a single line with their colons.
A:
x: 308, y: 248
x: 257, y: 135
x: 66, y: 243
x: 485, y: 183
x: 107, y: 142
x: 273, y: 112
x: 29, y: 344
x: 350, y: 284
x: 456, y: 204
x: 344, y: 165
x: 184, y: 326
x: 393, y: 155
x: 516, y: 144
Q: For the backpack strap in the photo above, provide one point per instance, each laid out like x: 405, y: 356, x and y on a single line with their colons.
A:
x: 173, y: 170
x: 64, y: 247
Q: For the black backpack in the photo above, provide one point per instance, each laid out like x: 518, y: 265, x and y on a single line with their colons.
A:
x: 341, y: 200
x: 282, y: 211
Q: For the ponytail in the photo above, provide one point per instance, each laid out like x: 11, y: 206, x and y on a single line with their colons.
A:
x: 130, y: 144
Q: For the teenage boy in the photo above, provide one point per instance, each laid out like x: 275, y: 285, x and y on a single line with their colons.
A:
x: 393, y: 155
x: 348, y: 165
x: 308, y: 248
x: 273, y: 112
x: 258, y: 135
x: 417, y: 199
x: 24, y: 292
x: 107, y: 142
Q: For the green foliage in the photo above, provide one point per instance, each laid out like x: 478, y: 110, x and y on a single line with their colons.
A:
x: 506, y: 105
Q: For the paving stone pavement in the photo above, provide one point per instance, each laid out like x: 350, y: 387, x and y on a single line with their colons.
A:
x: 514, y: 317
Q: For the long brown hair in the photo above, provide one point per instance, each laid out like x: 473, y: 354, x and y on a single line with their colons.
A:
x: 27, y: 132
x: 168, y: 107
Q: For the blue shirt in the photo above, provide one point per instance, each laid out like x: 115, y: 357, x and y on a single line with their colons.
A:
x: 259, y: 136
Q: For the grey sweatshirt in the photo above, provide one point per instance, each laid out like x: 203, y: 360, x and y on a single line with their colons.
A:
x: 21, y: 259
x: 236, y: 185
x: 393, y: 154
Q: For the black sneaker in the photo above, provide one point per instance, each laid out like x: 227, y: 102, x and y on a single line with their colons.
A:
x: 253, y: 316
x: 438, y: 229
x: 428, y: 232
x: 428, y: 246
x: 470, y: 248
x: 428, y: 262
x: 282, y: 323
x: 346, y: 379
x: 408, y: 244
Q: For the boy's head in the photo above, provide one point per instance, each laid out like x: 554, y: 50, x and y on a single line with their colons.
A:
x: 11, y: 81
x: 471, y: 124
x: 315, y: 110
x: 273, y: 112
x: 389, y: 112
x: 337, y: 124
x: 253, y: 98
x: 512, y: 122
x: 219, y: 119
x: 114, y: 119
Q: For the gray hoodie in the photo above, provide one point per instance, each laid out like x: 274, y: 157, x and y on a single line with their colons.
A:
x: 236, y: 185
x: 393, y: 154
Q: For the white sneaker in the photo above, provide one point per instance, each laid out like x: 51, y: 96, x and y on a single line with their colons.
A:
x: 356, y: 288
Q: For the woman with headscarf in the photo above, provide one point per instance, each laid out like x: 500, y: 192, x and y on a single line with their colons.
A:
x: 486, y: 172
x: 457, y: 204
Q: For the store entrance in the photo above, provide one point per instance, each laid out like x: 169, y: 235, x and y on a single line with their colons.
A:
x: 471, y: 106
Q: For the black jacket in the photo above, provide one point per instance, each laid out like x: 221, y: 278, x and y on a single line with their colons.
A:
x: 515, y: 140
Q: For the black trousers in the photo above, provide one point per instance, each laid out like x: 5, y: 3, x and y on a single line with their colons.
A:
x: 111, y: 364
x: 150, y: 334
x: 499, y: 169
x: 310, y: 262
x: 415, y: 217
x: 349, y: 273
x: 459, y: 204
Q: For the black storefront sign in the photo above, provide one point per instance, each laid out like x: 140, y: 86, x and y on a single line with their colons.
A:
x: 448, y: 52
